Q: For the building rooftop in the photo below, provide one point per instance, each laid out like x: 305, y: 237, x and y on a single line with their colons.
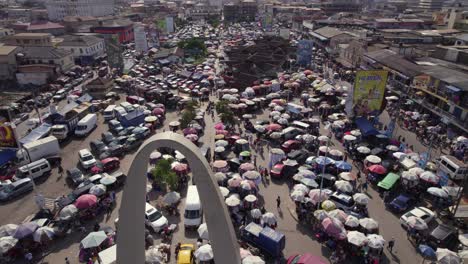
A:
x: 115, y: 23
x: 74, y: 40
x: 329, y: 32
x: 392, y: 60
x: 450, y: 76
x: 28, y: 35
x: 5, y: 50
x: 38, y: 26
x: 44, y: 52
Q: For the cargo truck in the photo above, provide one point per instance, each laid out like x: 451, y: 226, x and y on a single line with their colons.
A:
x: 47, y: 148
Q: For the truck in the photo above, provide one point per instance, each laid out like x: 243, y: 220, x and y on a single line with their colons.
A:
x: 269, y: 241
x: 134, y: 118
x: 47, y: 147
x: 65, y: 125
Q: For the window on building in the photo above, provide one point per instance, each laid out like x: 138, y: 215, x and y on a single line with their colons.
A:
x: 37, y: 41
x: 25, y: 41
x: 81, y: 51
x: 72, y: 50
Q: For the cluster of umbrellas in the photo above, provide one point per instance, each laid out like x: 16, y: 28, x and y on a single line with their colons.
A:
x: 11, y: 234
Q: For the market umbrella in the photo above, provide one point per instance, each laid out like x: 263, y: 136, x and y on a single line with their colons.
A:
x: 25, y: 230
x: 93, y: 239
x: 290, y: 162
x: 260, y: 128
x: 344, y: 186
x: 253, y: 260
x: 269, y: 218
x: 352, y: 221
x: 416, y: 223
x: 153, y: 255
x: 349, y: 137
x: 203, y: 231
x: 377, y: 169
x: 317, y: 197
x: 43, y: 234
x: 220, y: 177
x: 347, y: 176
x: 275, y: 113
x: 398, y: 155
x: 322, y: 160
x: 219, y: 126
x: 368, y: 223
x: 392, y: 148
x: 335, y: 153
x: 323, y: 138
x: 250, y: 198
x: 256, y: 213
x: 7, y: 230
x: 338, y: 214
x: 171, y: 198
x: 189, y: 130
x: 361, y: 198
x: 333, y: 227
x: 251, y: 175
x: 245, y: 153
x: 174, y: 124
x: 356, y: 133
x: 245, y: 185
x: 234, y: 182
x: 445, y: 256
x: 375, y: 241
x: 320, y: 214
x: 98, y: 190
x: 408, y: 175
x: 68, y: 212
x: 416, y: 170
x: 297, y: 195
x: 273, y: 127
x: 429, y: 176
x: 224, y: 191
x: 301, y: 187
x: 328, y: 205
x: 219, y: 164
x: 309, y: 182
x: 155, y: 155
x: 363, y: 150
x: 232, y: 201
x: 150, y: 119
x: 7, y: 243
x: 343, y: 165
x: 179, y: 167
x: 357, y: 238
x: 426, y: 251
x: 244, y: 253
x: 86, y: 201
x: 247, y: 167
x: 221, y: 143
x: 282, y: 121
x: 438, y: 192
x: 373, y: 159
x: 107, y: 180
x: 219, y: 149
x: 376, y: 151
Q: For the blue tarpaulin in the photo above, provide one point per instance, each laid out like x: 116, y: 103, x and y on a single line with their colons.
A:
x: 37, y: 133
x: 366, y: 127
x: 6, y: 155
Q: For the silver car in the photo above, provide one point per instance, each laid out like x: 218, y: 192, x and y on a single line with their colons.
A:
x: 16, y: 188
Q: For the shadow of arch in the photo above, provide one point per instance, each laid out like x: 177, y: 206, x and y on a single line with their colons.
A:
x: 131, y: 230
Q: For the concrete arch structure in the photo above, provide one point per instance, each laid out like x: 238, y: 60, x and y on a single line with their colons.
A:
x: 131, y: 230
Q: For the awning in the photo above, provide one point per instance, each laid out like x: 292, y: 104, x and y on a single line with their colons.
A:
x: 37, y: 133
x: 453, y: 89
x: 6, y: 155
x: 320, y: 37
x: 366, y: 127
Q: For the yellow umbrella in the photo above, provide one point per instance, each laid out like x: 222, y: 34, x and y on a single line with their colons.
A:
x: 328, y: 205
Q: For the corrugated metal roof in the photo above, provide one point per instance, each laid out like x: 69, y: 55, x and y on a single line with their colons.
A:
x: 394, y: 61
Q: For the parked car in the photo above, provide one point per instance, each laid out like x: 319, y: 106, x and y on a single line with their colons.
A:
x: 141, y: 132
x: 126, y: 131
x: 185, y: 255
x: 106, y: 165
x: 421, y: 212
x: 107, y: 137
x: 115, y: 150
x: 154, y: 219
x: 98, y: 147
x: 306, y: 258
x: 132, y: 144
x: 443, y: 236
x: 75, y: 176
x: 87, y: 159
x: 290, y: 145
x: 400, y: 204
x: 16, y: 188
x: 298, y: 155
x: 115, y: 126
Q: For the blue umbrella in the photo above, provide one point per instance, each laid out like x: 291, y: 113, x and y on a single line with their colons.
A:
x: 309, y: 182
x: 321, y: 160
x: 426, y: 251
x: 25, y: 230
x: 343, y: 165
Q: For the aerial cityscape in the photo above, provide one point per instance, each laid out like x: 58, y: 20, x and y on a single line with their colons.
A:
x: 233, y: 131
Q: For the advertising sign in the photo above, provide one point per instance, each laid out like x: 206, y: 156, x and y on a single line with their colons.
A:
x: 7, y: 134
x: 304, y: 52
x: 369, y: 90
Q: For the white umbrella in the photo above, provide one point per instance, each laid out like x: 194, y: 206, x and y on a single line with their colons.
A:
x: 317, y: 197
x: 301, y: 187
x: 245, y: 185
x: 324, y: 149
x: 220, y: 177
x: 356, y: 238
x: 373, y: 159
x: 68, y: 212
x: 232, y: 201
x: 7, y: 243
x: 349, y: 138
x: 256, y: 213
x: 43, y: 233
x: 416, y: 223
x: 174, y: 123
x: 285, y: 116
x: 368, y: 223
x: 297, y: 195
x: 429, y: 176
x: 352, y: 221
x: 356, y: 133
x: 275, y: 135
x: 219, y: 149
x: 323, y: 138
x: 361, y: 198
x: 153, y: 256
x: 251, y: 175
x: 8, y: 230
x: 392, y: 148
x: 204, y: 253
x: 320, y: 214
x: 171, y: 197
x: 224, y: 191
x: 344, y: 186
x: 439, y: 192
x: 282, y: 121
x: 260, y: 128
x: 275, y: 113
x: 375, y: 241
x: 279, y: 108
x: 250, y: 198
x: 399, y: 155
x: 269, y: 218
x: 408, y: 175
x: 363, y: 150
x: 203, y: 231
x: 253, y: 260
x: 416, y: 170
x: 338, y: 214
x: 98, y: 189
x: 221, y: 143
x: 445, y: 256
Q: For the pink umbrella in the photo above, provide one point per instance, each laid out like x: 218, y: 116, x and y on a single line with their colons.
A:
x: 316, y: 197
x: 192, y: 137
x: 278, y: 101
x: 333, y: 227
x: 247, y: 167
x: 244, y: 253
x: 220, y: 164
x: 86, y: 201
x: 158, y: 111
x: 273, y: 127
x: 219, y: 126
x: 222, y: 132
x: 180, y: 168
x: 190, y: 130
x: 234, y: 182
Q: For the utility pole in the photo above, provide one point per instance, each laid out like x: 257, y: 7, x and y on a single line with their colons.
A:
x: 323, y: 166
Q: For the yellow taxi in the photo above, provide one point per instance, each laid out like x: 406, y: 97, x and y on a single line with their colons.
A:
x: 185, y: 255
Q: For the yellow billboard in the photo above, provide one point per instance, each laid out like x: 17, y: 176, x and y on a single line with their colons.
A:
x: 369, y: 90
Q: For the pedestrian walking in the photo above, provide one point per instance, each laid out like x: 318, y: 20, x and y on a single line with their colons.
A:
x: 67, y: 261
x: 278, y: 202
x: 364, y: 186
x: 391, y: 243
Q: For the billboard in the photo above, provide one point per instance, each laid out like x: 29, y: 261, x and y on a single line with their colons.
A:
x: 304, y: 52
x: 368, y: 93
x: 141, y: 42
x: 169, y: 24
x: 7, y: 134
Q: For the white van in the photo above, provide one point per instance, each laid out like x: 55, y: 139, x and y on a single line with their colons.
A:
x: 454, y: 168
x: 193, y: 211
x: 127, y: 106
x: 34, y: 169
x: 86, y: 125
x: 109, y: 113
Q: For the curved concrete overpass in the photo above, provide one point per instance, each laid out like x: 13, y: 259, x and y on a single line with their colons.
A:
x: 131, y: 231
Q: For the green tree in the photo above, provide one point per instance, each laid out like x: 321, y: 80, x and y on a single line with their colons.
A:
x: 225, y: 113
x: 163, y: 173
x: 188, y: 114
x: 171, y: 179
x: 195, y: 46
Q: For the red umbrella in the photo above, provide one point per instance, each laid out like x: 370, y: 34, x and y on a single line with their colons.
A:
x: 278, y: 101
x: 247, y: 166
x: 192, y: 137
x: 273, y: 127
x: 378, y: 169
x: 222, y: 132
x: 308, y: 72
x: 180, y: 168
x: 86, y: 201
x: 158, y: 111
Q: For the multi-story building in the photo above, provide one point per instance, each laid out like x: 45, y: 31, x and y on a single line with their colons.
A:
x: 85, y: 49
x: 202, y: 11
x: 58, y: 9
x: 426, y: 5
x: 39, y: 27
x: 329, y: 38
x: 122, y: 28
x: 331, y: 7
x: 6, y: 32
x: 244, y: 11
x: 29, y: 39
x: 8, y: 62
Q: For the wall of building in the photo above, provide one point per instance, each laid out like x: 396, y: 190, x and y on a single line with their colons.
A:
x: 58, y: 9
x: 8, y: 66
x: 94, y: 50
